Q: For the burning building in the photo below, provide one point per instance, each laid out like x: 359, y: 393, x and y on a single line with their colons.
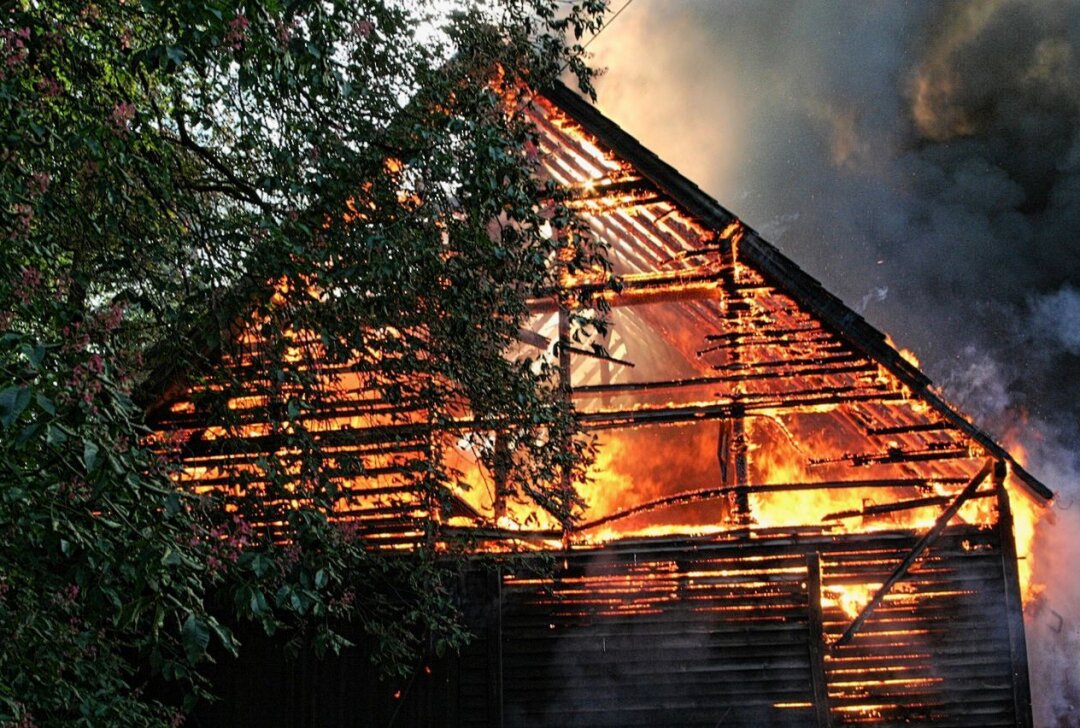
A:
x: 785, y: 524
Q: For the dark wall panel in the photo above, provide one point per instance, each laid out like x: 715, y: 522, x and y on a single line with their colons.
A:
x: 680, y: 632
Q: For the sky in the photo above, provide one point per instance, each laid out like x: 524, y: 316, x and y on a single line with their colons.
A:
x: 922, y: 160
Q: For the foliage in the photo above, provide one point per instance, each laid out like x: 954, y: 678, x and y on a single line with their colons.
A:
x: 358, y: 170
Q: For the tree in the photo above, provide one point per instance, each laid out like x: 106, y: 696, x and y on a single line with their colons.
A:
x: 361, y: 172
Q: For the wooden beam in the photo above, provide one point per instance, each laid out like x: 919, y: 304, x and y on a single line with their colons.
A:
x: 908, y: 429
x: 533, y: 339
x: 920, y: 547
x: 702, y: 494
x: 594, y: 354
x: 773, y: 402
x: 1014, y: 606
x: 565, y: 388
x: 886, y: 508
x: 817, y: 641
x: 639, y: 288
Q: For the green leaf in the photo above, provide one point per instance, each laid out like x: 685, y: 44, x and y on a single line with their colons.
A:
x: 320, y: 578
x: 261, y: 564
x: 90, y: 455
x: 26, y: 433
x: 13, y: 401
x: 116, y: 462
x: 172, y: 504
x: 225, y: 637
x: 34, y: 354
x: 258, y: 603
x: 171, y: 558
x: 196, y: 637
x: 176, y: 54
x: 45, y: 404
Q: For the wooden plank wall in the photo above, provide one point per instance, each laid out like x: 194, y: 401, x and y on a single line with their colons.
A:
x: 719, y: 633
x: 678, y: 632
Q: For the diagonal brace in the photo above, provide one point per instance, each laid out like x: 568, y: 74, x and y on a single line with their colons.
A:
x: 923, y: 543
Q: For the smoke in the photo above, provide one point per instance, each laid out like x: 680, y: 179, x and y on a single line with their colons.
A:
x: 923, y: 161
x: 1057, y: 318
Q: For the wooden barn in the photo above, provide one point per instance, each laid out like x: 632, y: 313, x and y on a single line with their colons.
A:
x: 786, y: 524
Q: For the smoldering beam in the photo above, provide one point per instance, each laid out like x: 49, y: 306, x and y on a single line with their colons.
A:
x: 703, y: 494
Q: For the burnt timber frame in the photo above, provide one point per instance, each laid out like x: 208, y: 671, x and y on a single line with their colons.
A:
x: 779, y: 269
x: 829, y: 648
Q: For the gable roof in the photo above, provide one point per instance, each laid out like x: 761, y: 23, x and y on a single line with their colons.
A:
x: 733, y: 343
x: 779, y: 270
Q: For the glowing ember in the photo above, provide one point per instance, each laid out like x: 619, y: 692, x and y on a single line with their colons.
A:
x: 850, y: 598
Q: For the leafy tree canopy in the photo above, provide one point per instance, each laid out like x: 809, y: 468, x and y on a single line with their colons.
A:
x: 358, y: 170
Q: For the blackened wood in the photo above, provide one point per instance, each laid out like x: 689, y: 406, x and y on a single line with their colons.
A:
x: 774, y: 402
x: 502, y: 465
x: 907, y: 429
x: 824, y: 371
x: 895, y: 456
x: 913, y: 555
x: 596, y: 355
x: 817, y: 641
x: 495, y: 653
x: 533, y: 339
x: 565, y: 388
x: 637, y: 288
x: 1014, y: 605
x: 694, y: 496
x: 817, y: 361
x: 885, y: 508
x: 633, y: 387
x: 768, y: 333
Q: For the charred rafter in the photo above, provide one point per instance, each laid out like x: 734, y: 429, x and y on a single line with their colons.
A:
x: 705, y: 494
x: 897, y: 506
x: 897, y: 455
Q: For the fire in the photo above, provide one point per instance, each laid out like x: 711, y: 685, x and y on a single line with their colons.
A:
x: 1027, y: 513
x: 906, y: 354
x: 851, y: 598
x: 721, y: 404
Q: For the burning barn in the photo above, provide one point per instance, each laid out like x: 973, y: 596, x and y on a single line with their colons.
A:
x: 785, y: 524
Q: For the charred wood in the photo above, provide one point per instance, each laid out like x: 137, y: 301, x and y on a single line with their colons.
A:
x: 916, y: 551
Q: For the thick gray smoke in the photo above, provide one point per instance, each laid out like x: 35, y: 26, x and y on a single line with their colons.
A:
x: 923, y: 161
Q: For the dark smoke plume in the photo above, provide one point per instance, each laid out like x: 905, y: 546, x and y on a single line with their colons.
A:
x: 923, y: 161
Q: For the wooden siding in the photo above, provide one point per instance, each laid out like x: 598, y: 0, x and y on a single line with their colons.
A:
x: 684, y: 632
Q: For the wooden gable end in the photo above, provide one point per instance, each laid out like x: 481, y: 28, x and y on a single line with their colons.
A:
x: 730, y: 393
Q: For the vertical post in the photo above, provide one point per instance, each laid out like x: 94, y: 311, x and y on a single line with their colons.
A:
x: 499, y: 674
x: 495, y: 652
x: 565, y: 392
x: 739, y: 448
x: 431, y: 499
x: 501, y: 458
x: 739, y: 500
x: 1014, y: 605
x: 731, y: 454
x: 817, y: 641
